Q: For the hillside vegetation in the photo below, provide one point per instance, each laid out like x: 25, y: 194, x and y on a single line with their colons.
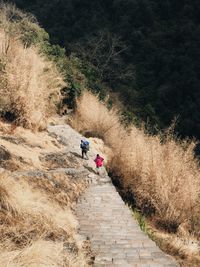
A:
x: 157, y: 174
x: 30, y: 85
x: 148, y: 50
x: 37, y: 79
x: 37, y: 194
x: 37, y: 225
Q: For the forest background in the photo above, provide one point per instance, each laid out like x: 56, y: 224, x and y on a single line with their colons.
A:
x: 145, y: 50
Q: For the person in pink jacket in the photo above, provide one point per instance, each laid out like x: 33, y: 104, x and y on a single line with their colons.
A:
x: 99, y: 162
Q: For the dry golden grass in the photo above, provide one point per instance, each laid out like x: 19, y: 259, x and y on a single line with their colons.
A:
x: 32, y: 256
x: 163, y: 176
x: 25, y: 147
x: 19, y: 198
x: 187, y: 248
x: 30, y: 86
x: 41, y: 254
x: 37, y: 226
x: 93, y: 118
x: 61, y: 189
x: 30, y: 233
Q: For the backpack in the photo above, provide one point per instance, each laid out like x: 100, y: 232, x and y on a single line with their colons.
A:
x: 86, y: 145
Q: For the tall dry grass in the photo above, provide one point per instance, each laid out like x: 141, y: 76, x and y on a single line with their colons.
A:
x: 30, y: 233
x: 162, y: 175
x: 93, y: 118
x: 30, y: 85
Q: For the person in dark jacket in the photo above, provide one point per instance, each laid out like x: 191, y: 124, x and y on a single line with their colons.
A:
x: 84, y: 148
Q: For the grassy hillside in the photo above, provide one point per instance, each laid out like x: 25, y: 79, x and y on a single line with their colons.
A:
x: 37, y: 79
x: 37, y: 225
x: 158, y: 175
x: 30, y: 84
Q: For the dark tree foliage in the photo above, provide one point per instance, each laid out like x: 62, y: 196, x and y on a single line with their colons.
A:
x: 148, y: 50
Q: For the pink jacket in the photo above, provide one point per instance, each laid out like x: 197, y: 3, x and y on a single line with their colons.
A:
x: 99, y: 161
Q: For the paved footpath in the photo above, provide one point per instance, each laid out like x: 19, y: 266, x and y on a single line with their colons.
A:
x: 116, y: 239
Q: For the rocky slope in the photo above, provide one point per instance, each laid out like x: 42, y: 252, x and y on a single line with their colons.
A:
x: 46, y: 176
x: 41, y: 179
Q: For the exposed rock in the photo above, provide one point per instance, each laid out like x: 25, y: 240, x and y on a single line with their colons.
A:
x: 4, y: 154
x: 14, y: 140
x: 60, y: 160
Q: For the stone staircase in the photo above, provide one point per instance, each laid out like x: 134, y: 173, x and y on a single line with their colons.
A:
x: 116, y: 239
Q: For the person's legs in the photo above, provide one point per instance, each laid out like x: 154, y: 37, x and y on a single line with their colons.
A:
x: 97, y: 169
x: 86, y: 154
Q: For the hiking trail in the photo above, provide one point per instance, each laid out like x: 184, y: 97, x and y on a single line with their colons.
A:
x: 116, y: 238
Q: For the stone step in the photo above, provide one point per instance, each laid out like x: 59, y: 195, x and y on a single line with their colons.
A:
x: 116, y: 238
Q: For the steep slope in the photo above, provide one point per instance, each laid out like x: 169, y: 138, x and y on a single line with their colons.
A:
x: 30, y: 84
x: 146, y: 49
x: 36, y: 194
x: 40, y: 181
x: 157, y: 175
x: 42, y: 174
